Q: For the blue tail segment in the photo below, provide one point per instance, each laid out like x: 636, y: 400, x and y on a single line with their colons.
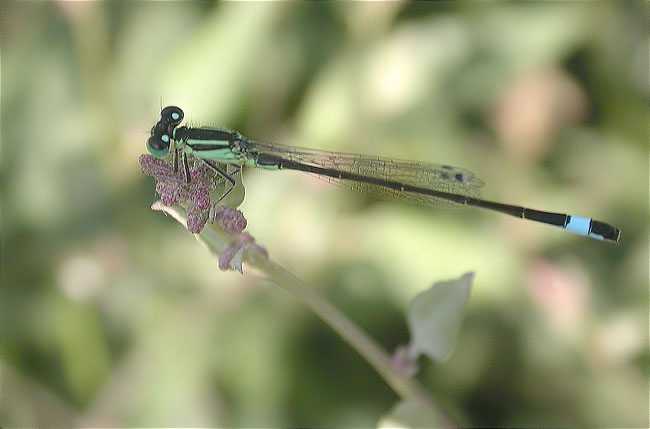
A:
x: 579, y: 225
x: 592, y: 228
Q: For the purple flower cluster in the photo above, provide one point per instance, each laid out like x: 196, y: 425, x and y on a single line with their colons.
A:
x: 230, y: 219
x: 174, y: 189
x: 194, y: 197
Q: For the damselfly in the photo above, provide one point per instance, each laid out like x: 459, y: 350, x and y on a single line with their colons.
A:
x: 409, y: 181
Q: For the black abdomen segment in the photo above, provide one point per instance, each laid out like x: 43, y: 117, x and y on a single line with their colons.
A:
x: 576, y: 224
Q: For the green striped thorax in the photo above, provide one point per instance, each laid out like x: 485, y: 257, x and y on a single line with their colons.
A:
x: 206, y: 143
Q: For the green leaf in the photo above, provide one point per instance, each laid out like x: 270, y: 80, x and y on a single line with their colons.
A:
x: 434, y: 318
x: 410, y: 414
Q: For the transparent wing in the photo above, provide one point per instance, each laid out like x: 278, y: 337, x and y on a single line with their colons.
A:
x: 438, y: 177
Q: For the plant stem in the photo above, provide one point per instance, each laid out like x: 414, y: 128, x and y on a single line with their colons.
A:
x: 405, y: 386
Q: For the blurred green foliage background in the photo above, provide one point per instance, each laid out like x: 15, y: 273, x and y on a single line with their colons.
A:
x: 113, y: 315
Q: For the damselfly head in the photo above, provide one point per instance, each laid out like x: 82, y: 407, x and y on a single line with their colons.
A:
x: 171, y: 115
x: 158, y: 144
x: 161, y: 133
x: 160, y: 140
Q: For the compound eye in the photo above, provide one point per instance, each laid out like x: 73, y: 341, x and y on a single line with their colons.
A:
x: 158, y: 146
x: 172, y: 114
